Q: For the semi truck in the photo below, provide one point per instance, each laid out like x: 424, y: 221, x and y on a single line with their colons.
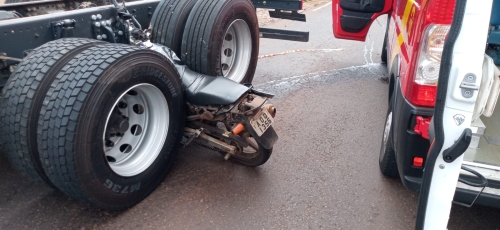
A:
x: 96, y: 96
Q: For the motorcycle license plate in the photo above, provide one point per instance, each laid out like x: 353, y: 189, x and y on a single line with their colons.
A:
x: 261, y: 121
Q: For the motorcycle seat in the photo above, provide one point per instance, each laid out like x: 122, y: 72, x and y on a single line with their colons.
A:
x: 208, y: 90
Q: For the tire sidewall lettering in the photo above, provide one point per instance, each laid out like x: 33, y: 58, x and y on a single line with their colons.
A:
x: 151, y: 71
x: 120, y: 188
x: 116, y: 84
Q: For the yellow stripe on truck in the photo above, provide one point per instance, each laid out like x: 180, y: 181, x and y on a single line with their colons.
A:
x: 400, y: 39
x: 406, y: 14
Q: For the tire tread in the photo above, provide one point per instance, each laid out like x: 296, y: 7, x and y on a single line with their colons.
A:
x: 26, y: 88
x: 168, y: 23
x: 198, y: 31
x: 204, y: 27
x: 61, y: 109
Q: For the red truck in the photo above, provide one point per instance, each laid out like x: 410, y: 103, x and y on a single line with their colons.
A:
x: 442, y: 58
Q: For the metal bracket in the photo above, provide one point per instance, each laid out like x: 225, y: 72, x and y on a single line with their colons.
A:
x: 278, y: 4
x: 468, y: 85
x: 193, y: 133
x: 110, y: 36
x: 102, y: 30
x: 298, y: 36
x: 63, y: 28
x: 123, y: 33
x: 294, y: 15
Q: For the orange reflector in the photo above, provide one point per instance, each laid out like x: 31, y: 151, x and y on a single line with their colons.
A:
x: 238, y: 129
x: 418, y: 162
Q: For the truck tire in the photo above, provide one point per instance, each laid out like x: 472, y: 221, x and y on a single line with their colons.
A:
x: 221, y: 38
x: 387, y: 157
x: 112, y: 93
x: 168, y: 22
x: 23, y: 97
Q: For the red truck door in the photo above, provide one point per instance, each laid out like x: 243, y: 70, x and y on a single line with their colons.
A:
x: 352, y: 18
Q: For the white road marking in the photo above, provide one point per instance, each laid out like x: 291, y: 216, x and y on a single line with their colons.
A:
x: 322, y: 6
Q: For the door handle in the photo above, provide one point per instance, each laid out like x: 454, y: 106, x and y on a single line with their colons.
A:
x: 459, y: 147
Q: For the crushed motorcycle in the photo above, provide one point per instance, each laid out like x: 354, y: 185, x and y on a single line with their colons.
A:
x: 225, y: 116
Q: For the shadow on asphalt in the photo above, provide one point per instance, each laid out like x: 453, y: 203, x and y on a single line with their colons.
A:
x: 28, y: 205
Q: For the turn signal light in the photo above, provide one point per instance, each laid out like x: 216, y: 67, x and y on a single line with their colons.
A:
x: 418, y: 162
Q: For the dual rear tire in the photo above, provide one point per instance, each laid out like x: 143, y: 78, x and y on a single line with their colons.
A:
x: 60, y: 115
x: 23, y: 97
x: 219, y: 37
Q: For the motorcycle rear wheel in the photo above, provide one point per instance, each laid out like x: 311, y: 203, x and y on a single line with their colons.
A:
x: 251, y: 157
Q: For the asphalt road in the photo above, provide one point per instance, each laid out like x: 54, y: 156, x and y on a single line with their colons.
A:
x: 323, y: 172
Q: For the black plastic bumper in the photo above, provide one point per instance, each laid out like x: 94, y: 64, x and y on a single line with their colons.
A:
x: 407, y: 143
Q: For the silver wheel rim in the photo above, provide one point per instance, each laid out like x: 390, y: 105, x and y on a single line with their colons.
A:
x: 387, y: 129
x: 236, y: 51
x: 136, y: 129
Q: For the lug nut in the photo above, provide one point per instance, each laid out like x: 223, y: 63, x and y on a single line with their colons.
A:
x: 97, y: 24
x: 122, y: 105
x: 120, y: 32
x: 109, y: 143
x: 93, y: 17
x: 99, y: 37
x: 99, y: 16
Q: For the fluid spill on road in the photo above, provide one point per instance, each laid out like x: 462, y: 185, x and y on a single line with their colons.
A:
x: 369, y: 70
x: 368, y: 52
